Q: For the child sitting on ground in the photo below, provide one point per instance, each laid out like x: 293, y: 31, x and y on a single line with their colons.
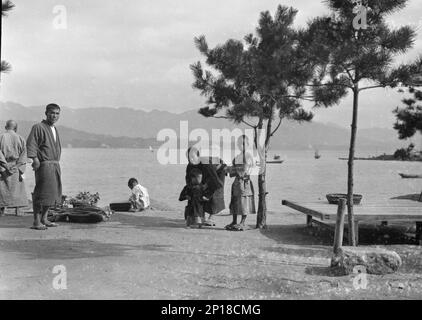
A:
x: 196, y: 194
x: 139, y: 198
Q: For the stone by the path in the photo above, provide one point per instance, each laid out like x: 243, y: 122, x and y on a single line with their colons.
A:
x: 373, y: 260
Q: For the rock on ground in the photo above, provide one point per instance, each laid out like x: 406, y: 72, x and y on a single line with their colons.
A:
x: 369, y: 260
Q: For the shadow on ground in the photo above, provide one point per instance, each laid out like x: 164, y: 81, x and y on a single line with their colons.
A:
x: 316, y: 242
x: 63, y: 248
x: 142, y: 221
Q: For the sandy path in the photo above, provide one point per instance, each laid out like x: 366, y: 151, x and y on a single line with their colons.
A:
x: 153, y: 256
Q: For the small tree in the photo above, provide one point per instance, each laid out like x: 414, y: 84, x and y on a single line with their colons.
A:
x: 6, y: 6
x: 257, y: 82
x: 352, y: 60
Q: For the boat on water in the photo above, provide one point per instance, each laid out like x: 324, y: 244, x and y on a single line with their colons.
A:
x: 410, y: 176
x: 317, y: 155
x: 276, y: 160
x: 151, y: 149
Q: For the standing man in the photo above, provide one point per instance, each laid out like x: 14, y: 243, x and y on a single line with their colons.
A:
x: 44, y: 149
x: 12, y: 167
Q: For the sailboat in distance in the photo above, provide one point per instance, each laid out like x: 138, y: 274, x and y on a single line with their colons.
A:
x: 151, y: 149
x: 317, y: 155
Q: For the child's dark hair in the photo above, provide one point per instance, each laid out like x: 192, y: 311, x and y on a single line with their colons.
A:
x: 131, y: 181
x: 195, y: 173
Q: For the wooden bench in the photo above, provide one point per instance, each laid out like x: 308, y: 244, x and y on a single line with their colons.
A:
x: 323, y: 213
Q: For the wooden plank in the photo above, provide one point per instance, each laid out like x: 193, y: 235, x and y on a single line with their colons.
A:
x: 303, y: 209
x: 327, y: 212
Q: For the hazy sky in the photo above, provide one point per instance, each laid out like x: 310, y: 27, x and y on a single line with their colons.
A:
x: 136, y: 53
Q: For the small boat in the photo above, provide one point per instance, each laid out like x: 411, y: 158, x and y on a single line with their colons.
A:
x: 276, y: 159
x: 317, y: 155
x: 151, y: 149
x: 410, y: 176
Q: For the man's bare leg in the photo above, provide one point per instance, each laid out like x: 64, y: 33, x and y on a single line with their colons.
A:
x: 44, y: 217
x: 37, y: 221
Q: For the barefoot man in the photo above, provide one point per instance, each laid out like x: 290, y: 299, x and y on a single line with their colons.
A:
x: 12, y: 167
x: 44, y: 149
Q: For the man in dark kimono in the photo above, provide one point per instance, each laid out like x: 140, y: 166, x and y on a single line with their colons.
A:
x: 44, y: 149
x: 12, y: 167
x: 213, y: 171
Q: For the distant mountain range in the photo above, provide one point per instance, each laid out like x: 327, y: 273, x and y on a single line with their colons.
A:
x: 71, y: 138
x: 129, y: 128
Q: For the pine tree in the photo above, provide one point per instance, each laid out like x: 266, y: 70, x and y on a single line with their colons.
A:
x: 6, y: 6
x: 409, y: 118
x: 259, y: 82
x: 354, y: 59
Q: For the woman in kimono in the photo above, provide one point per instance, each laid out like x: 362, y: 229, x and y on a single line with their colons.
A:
x: 242, y: 194
x: 213, y: 172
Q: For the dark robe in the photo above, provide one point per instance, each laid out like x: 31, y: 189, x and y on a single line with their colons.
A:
x: 48, y: 185
x: 214, y: 177
x: 12, y: 185
x: 195, y: 207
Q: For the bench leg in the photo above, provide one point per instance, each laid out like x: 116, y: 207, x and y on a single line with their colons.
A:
x: 419, y: 232
x: 309, y: 221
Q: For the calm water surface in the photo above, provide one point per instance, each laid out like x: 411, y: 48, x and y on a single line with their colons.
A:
x: 300, y: 176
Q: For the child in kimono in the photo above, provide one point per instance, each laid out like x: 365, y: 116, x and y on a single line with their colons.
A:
x: 242, y: 194
x: 139, y: 197
x: 196, y: 194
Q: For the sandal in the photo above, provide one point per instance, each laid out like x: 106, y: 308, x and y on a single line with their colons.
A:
x: 42, y: 227
x: 229, y: 227
x: 209, y: 223
x: 238, y: 227
x: 51, y: 225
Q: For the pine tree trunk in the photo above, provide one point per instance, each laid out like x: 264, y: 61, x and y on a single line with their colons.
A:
x: 261, y: 221
x: 350, y: 181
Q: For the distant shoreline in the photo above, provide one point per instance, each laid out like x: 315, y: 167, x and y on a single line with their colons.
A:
x: 384, y: 158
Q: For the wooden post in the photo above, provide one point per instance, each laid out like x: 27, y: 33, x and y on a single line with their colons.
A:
x: 338, y: 235
x: 419, y: 232
x: 356, y: 229
x: 309, y: 221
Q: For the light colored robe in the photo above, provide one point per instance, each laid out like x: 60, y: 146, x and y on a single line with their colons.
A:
x: 48, y: 185
x: 12, y: 185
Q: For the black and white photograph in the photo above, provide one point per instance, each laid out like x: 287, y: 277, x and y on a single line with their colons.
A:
x: 234, y: 151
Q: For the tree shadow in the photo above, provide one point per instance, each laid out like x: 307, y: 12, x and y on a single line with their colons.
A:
x: 142, y: 221
x: 63, y: 248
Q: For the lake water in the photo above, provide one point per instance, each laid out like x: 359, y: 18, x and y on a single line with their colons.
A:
x: 300, y: 176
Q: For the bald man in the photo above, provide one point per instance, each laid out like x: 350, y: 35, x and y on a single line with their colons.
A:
x: 12, y: 167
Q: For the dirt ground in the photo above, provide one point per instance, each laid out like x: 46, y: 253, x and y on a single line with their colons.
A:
x: 153, y: 256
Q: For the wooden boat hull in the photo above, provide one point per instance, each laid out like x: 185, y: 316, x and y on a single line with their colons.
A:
x: 275, y: 161
x: 271, y: 162
x: 410, y: 176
